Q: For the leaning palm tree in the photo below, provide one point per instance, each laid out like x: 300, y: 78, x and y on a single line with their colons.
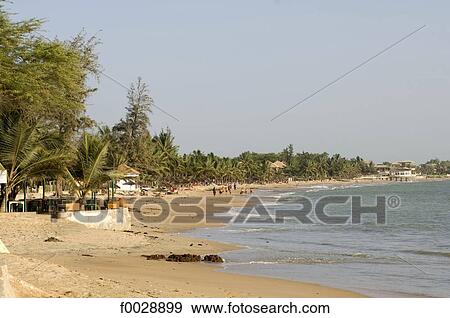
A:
x: 26, y: 152
x: 89, y: 169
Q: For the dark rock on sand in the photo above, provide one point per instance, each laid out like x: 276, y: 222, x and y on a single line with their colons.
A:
x: 213, y: 258
x: 52, y: 239
x: 154, y: 257
x: 184, y: 258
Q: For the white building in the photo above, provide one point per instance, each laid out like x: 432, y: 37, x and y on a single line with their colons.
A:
x: 128, y: 183
x: 403, y: 170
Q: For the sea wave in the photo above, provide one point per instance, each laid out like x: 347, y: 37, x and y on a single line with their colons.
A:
x: 253, y: 230
x: 284, y: 194
x: 317, y: 188
x: 301, y: 261
x: 359, y: 255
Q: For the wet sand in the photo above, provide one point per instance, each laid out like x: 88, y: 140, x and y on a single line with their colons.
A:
x: 104, y: 263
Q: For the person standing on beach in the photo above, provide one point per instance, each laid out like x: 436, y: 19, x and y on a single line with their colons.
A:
x: 214, y: 191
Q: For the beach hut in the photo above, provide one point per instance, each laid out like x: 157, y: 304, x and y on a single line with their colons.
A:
x: 277, y: 165
x: 128, y: 183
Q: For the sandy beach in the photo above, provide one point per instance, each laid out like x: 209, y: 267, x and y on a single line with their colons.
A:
x: 105, y: 263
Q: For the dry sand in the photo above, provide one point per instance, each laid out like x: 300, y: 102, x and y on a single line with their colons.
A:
x: 104, y: 263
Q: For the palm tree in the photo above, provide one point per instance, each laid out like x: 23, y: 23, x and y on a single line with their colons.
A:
x: 208, y: 169
x: 248, y: 166
x: 312, y: 170
x: 224, y: 169
x: 195, y: 163
x: 115, y: 158
x: 267, y: 172
x: 89, y: 170
x: 236, y: 172
x: 165, y: 143
x: 166, y: 154
x: 27, y: 152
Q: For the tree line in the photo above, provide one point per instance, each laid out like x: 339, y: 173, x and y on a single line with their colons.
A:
x: 435, y: 167
x: 45, y: 133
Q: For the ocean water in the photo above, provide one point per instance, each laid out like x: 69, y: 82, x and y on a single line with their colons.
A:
x: 409, y: 255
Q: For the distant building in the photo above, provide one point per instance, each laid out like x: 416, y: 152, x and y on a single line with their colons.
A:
x: 397, y: 171
x: 128, y: 183
x: 383, y: 169
x: 403, y: 170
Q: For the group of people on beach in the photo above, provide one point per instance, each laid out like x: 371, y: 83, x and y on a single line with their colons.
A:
x: 228, y: 189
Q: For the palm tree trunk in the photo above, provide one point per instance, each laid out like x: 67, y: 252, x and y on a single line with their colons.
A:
x: 59, y: 186
x: 82, y: 200
x: 10, y: 195
x: 2, y: 198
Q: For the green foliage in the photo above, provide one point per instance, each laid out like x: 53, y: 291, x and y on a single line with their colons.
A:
x: 169, y: 167
x: 42, y: 99
x: 435, y: 167
x: 43, y: 92
x: 27, y: 152
x: 45, y: 79
x: 89, y: 171
x: 131, y: 137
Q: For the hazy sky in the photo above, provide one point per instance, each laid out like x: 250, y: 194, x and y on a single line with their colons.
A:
x: 225, y: 68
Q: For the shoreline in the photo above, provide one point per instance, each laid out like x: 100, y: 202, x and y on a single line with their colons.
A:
x: 104, y: 263
x: 303, y: 289
x: 306, y: 184
x: 294, y: 184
